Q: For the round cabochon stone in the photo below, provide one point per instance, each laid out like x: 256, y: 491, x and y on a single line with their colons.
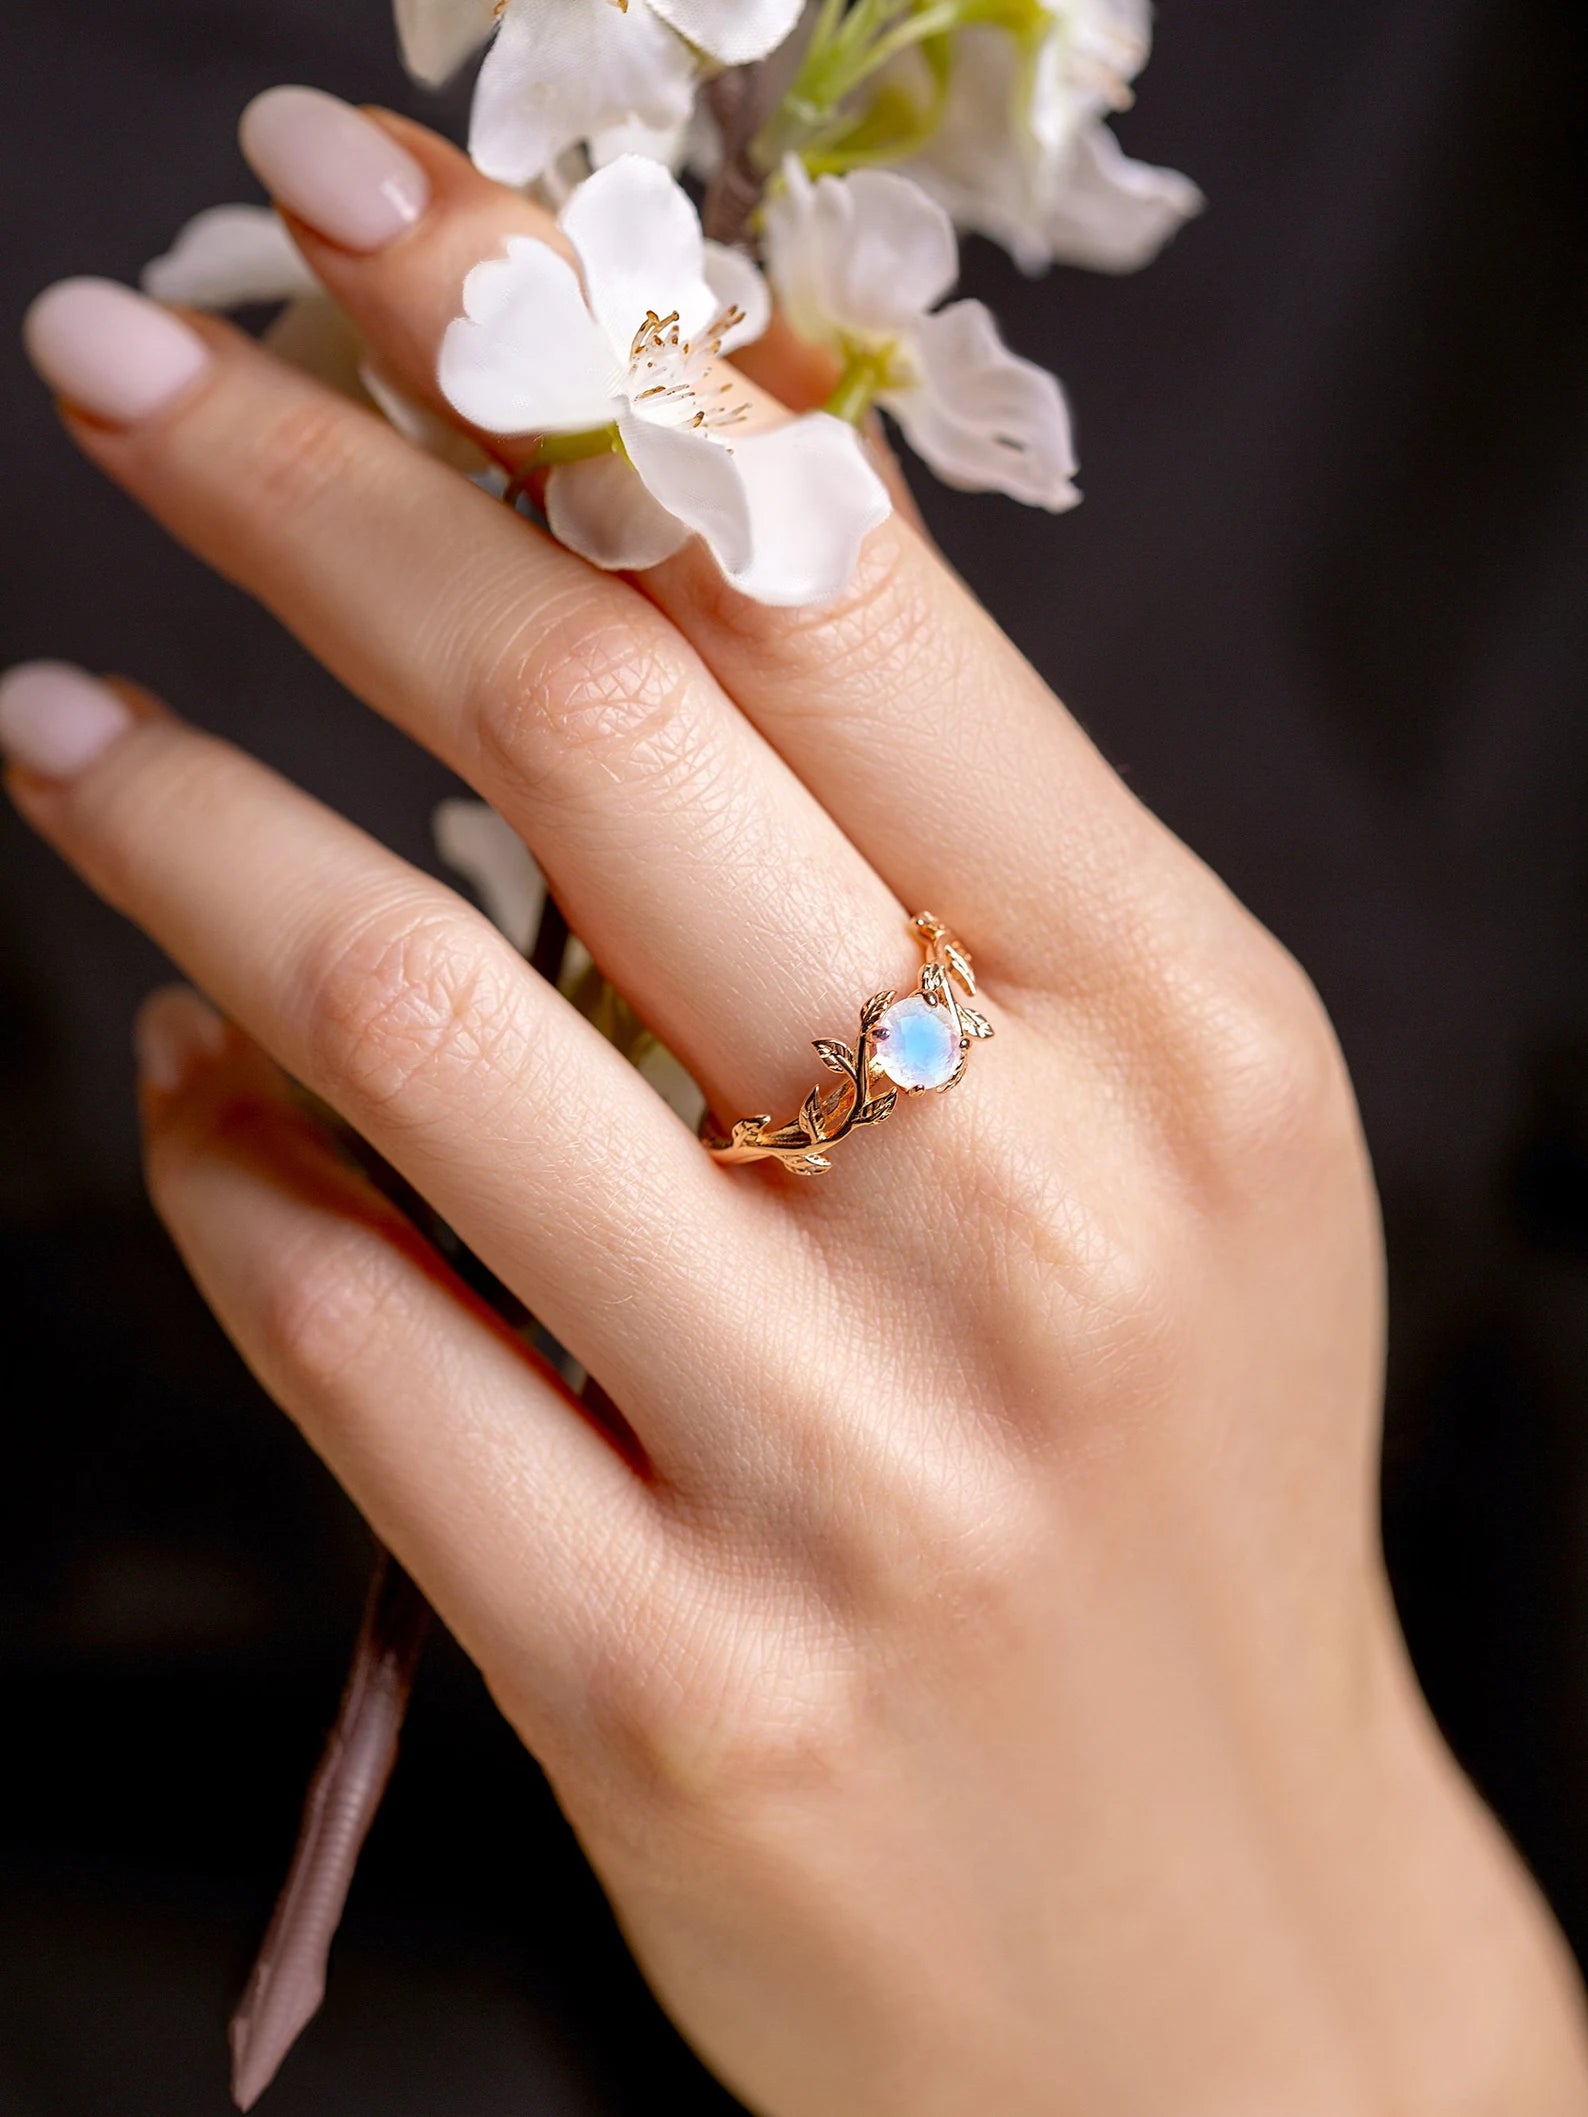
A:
x: 914, y: 1044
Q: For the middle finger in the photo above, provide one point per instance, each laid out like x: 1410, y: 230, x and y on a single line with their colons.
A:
x: 900, y: 704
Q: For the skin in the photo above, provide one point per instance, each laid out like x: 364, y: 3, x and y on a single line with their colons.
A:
x: 973, y: 1675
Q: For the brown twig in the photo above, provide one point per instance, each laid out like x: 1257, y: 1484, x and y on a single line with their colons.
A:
x: 736, y: 100
x: 288, y: 1980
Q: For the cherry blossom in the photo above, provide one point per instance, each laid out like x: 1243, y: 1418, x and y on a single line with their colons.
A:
x: 1021, y: 150
x: 859, y: 264
x: 562, y: 72
x: 650, y: 433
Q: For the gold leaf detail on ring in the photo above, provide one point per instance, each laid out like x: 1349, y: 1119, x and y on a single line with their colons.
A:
x: 827, y: 1118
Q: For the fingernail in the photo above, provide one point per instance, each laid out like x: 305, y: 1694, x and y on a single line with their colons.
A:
x: 55, y: 720
x: 109, y: 351
x: 175, y: 1034
x: 328, y: 164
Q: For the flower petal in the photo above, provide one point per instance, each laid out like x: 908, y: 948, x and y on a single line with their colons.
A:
x: 561, y: 71
x: 1083, y: 68
x: 526, y: 357
x: 436, y: 36
x: 698, y: 482
x: 1113, y: 214
x: 228, y: 256
x: 731, y: 31
x: 857, y: 256
x: 983, y: 418
x: 667, y: 144
x: 639, y: 246
x: 601, y: 509
x: 813, y: 498
x: 736, y: 283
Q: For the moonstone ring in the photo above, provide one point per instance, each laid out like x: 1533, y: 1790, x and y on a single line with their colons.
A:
x: 919, y: 1043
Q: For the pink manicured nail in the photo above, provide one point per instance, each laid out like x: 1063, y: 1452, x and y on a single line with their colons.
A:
x: 55, y: 720
x: 175, y: 1034
x: 325, y: 162
x: 109, y: 351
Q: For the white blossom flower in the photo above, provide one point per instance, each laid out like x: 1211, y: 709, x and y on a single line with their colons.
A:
x: 233, y: 257
x: 1021, y: 151
x: 629, y: 369
x: 859, y: 264
x: 565, y: 71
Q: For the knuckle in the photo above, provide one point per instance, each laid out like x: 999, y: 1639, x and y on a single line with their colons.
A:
x: 1273, y: 1098
x: 301, y: 450
x: 319, y: 1303
x: 163, y: 779
x: 716, y: 1720
x: 408, y: 1003
x: 584, y: 695
x: 871, y: 646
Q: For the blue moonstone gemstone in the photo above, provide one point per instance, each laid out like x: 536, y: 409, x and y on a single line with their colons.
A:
x: 914, y: 1044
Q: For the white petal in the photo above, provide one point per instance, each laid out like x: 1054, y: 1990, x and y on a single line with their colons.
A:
x: 227, y: 257
x: 977, y: 164
x: 813, y: 499
x: 666, y: 144
x: 857, y: 256
x: 731, y: 31
x: 736, y: 283
x: 639, y: 245
x: 526, y: 357
x: 488, y: 853
x: 698, y: 481
x: 436, y: 36
x: 898, y: 256
x: 984, y: 419
x: 600, y: 509
x: 1111, y: 213
x: 562, y: 71
x: 1083, y: 69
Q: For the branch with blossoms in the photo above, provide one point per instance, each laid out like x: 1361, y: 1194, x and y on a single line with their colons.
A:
x: 840, y: 148
x: 842, y: 145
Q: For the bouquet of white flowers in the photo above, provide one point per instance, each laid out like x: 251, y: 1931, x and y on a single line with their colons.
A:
x: 839, y: 147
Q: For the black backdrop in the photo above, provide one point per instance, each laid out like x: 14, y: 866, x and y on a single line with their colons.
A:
x: 1324, y: 605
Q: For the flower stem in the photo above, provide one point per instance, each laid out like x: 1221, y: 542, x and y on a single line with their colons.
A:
x: 865, y: 374
x: 552, y: 449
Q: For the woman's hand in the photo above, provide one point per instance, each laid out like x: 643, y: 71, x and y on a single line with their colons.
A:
x: 970, y: 1669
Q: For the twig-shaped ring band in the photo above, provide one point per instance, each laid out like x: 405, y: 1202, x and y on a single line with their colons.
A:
x: 920, y: 1044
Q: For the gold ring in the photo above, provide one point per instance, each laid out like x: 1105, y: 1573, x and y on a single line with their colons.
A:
x: 919, y: 1043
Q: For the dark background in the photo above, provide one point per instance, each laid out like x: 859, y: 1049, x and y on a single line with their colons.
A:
x: 1325, y: 605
